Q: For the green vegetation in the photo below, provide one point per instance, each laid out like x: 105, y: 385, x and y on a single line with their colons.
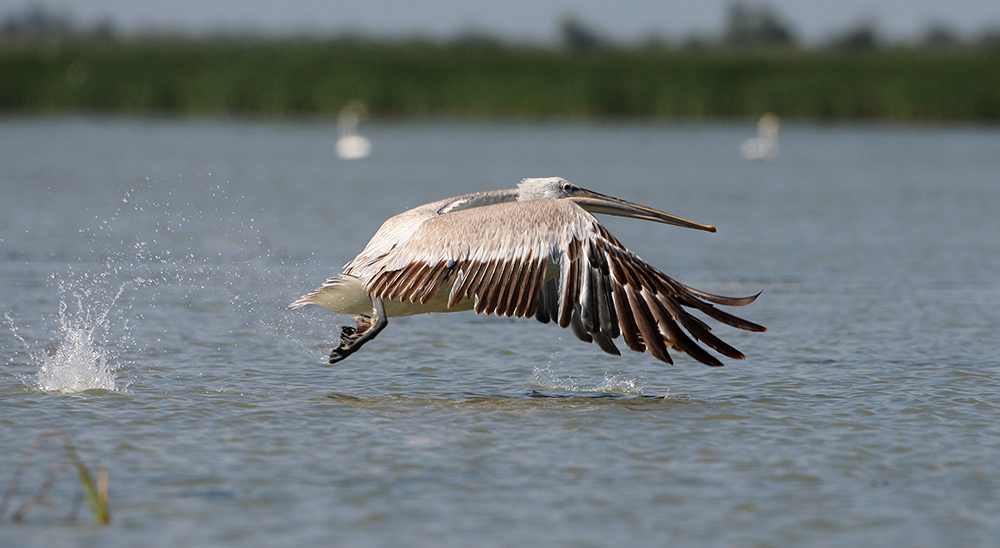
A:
x: 96, y: 494
x: 487, y: 80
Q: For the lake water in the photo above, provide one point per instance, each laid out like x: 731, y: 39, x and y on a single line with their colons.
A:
x: 145, y: 266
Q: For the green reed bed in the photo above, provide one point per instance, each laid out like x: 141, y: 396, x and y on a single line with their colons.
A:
x: 416, y: 79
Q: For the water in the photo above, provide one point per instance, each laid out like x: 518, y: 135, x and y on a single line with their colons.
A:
x: 145, y: 266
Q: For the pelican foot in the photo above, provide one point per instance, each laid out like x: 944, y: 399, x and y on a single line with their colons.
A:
x: 349, y: 336
x: 353, y: 338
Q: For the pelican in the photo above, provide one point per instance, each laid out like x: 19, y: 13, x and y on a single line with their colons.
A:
x: 534, y: 250
x: 765, y: 145
x: 350, y: 145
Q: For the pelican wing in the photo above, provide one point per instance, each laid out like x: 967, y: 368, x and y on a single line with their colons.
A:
x: 497, y: 254
x: 552, y: 259
x: 614, y: 292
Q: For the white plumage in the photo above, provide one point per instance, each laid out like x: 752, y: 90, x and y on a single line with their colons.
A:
x: 765, y: 145
x: 351, y: 145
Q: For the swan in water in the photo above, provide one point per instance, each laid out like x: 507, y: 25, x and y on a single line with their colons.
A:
x: 350, y: 145
x: 765, y: 145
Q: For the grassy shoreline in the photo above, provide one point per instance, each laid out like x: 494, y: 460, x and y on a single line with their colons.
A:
x: 487, y: 81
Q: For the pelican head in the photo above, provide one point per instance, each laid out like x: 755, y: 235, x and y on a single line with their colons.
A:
x: 554, y: 188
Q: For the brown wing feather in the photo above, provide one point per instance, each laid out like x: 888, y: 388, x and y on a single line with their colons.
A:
x: 475, y: 271
x: 505, y: 294
x: 628, y: 328
x: 528, y: 290
x: 647, y: 326
x: 617, y: 293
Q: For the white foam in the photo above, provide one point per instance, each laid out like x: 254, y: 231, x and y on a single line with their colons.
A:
x: 79, y: 363
x: 610, y: 383
x: 83, y: 354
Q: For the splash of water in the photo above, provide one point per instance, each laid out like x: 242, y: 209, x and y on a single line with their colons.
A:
x: 82, y: 360
x: 84, y: 355
x: 611, y: 383
x: 84, y: 341
x: 150, y: 241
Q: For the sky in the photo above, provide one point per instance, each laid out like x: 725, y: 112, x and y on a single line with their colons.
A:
x: 527, y: 20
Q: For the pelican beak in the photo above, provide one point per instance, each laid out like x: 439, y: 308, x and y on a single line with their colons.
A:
x: 608, y: 205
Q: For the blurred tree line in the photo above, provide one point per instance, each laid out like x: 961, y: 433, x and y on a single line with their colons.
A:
x: 746, y: 26
x: 755, y: 65
x: 759, y: 26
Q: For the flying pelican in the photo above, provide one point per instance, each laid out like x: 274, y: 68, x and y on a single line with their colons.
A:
x: 534, y: 250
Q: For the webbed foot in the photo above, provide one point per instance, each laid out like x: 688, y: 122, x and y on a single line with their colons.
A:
x: 365, y: 329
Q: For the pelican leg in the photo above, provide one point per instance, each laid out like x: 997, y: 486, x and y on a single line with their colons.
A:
x: 367, y: 327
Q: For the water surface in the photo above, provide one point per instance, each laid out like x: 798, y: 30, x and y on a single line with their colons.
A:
x: 145, y: 266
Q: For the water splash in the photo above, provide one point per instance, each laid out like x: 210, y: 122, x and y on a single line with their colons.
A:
x: 156, y: 255
x: 85, y: 352
x: 610, y: 383
x: 145, y: 242
x: 83, y: 359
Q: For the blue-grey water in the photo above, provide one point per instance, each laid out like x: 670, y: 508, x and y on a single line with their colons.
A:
x: 145, y: 266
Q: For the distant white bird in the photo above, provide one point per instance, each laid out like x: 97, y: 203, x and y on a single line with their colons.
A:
x: 350, y: 145
x: 534, y: 250
x: 765, y: 145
